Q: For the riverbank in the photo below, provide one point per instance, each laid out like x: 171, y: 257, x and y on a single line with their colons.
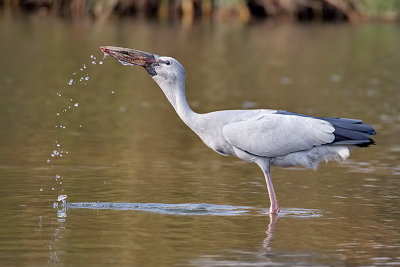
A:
x: 193, y: 10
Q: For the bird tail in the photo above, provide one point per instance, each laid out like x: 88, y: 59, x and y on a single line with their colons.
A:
x: 351, y: 132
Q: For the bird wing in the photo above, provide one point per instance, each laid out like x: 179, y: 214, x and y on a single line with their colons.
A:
x: 274, y: 135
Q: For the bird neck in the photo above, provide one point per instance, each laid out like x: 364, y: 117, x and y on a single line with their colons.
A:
x: 175, y: 93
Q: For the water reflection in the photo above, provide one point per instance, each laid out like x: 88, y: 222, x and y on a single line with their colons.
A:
x: 273, y: 218
x: 265, y: 256
x: 268, y: 255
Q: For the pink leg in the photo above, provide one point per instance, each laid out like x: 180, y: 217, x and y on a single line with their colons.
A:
x: 274, y: 208
x: 272, y: 197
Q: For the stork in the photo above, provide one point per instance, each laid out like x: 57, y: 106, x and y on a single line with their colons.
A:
x: 262, y: 136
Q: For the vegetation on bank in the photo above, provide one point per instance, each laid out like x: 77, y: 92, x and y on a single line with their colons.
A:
x: 190, y: 10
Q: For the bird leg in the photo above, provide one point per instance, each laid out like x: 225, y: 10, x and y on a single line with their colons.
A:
x: 274, y: 208
x: 272, y: 197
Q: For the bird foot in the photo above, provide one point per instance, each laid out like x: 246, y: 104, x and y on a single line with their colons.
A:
x: 274, y: 210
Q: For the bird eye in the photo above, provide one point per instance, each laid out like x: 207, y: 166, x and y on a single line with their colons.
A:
x: 167, y: 62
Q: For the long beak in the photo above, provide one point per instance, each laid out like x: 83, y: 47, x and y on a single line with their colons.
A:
x: 129, y: 56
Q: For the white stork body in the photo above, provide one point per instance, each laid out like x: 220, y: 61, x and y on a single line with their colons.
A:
x: 263, y: 136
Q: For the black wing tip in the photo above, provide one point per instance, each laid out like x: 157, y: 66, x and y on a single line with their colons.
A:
x: 352, y: 132
x: 367, y: 143
x: 352, y: 142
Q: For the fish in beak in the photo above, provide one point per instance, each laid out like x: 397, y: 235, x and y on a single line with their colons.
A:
x: 131, y: 57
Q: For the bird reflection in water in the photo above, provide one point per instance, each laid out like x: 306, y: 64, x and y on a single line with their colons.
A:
x: 273, y: 218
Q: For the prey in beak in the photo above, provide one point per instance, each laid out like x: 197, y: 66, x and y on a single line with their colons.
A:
x: 129, y: 56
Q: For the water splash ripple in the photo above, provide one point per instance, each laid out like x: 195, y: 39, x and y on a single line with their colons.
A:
x: 161, y: 208
x: 193, y: 209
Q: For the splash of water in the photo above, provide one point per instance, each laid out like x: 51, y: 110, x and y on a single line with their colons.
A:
x: 59, y: 151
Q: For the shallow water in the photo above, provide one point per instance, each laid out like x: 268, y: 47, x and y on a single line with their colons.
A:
x: 134, y: 173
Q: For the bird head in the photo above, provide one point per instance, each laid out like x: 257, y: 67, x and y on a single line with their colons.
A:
x: 164, y: 70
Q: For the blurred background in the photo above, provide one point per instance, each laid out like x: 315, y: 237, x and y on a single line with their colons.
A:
x: 79, y: 126
x: 189, y: 11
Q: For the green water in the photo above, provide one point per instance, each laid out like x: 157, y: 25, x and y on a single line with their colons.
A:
x: 126, y: 145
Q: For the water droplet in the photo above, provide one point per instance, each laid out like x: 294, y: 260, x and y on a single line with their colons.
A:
x: 52, y: 155
x: 58, y: 176
x: 41, y: 189
x: 112, y: 92
x: 87, y: 78
x: 100, y: 62
x: 80, y: 125
x: 81, y: 69
x: 74, y: 73
x: 94, y: 62
x: 84, y: 66
x: 56, y: 152
x: 61, y: 197
x: 76, y: 104
x: 81, y: 79
x: 52, y: 189
x: 48, y: 161
x: 58, y: 114
x: 58, y: 145
x: 91, y: 56
x: 59, y: 94
x: 71, y: 82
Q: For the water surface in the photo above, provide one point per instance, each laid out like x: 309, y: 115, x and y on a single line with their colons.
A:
x: 126, y: 145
